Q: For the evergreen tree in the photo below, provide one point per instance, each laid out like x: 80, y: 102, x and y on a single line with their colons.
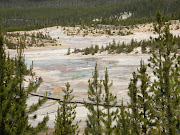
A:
x: 94, y: 116
x: 20, y: 122
x: 144, y: 100
x: 175, y: 81
x: 123, y: 122
x: 166, y: 86
x: 3, y: 100
x: 109, y: 101
x: 69, y: 51
x: 142, y: 115
x: 13, y: 114
x: 133, y: 90
x: 66, y: 114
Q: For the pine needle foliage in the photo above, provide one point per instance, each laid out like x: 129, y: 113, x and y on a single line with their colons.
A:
x: 66, y: 114
x: 146, y: 112
x: 110, y: 101
x: 4, y: 102
x: 36, y: 106
x: 133, y: 94
x: 93, y: 122
x: 13, y: 95
x: 165, y: 65
x: 123, y: 121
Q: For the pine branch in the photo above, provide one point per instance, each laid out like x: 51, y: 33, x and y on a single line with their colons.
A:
x: 36, y: 106
x: 41, y: 126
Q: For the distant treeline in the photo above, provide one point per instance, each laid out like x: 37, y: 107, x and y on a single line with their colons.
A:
x: 53, y: 3
x: 83, y: 14
x: 147, y: 46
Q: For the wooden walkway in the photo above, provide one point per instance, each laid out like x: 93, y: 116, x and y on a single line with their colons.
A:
x: 77, y: 102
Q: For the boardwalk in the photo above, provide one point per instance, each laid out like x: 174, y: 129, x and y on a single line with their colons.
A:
x: 77, y: 102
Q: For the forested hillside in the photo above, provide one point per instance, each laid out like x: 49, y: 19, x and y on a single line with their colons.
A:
x: 37, y: 13
x: 53, y: 3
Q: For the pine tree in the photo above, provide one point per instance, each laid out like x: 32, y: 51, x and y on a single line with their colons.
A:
x: 13, y: 113
x: 21, y: 119
x: 123, y: 121
x: 94, y: 116
x: 143, y: 114
x: 66, y: 114
x: 133, y: 90
x: 109, y: 101
x: 176, y: 84
x: 166, y: 86
x: 69, y: 51
x: 3, y: 99
x: 144, y: 100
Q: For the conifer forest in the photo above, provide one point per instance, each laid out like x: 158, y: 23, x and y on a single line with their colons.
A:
x: 89, y: 67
